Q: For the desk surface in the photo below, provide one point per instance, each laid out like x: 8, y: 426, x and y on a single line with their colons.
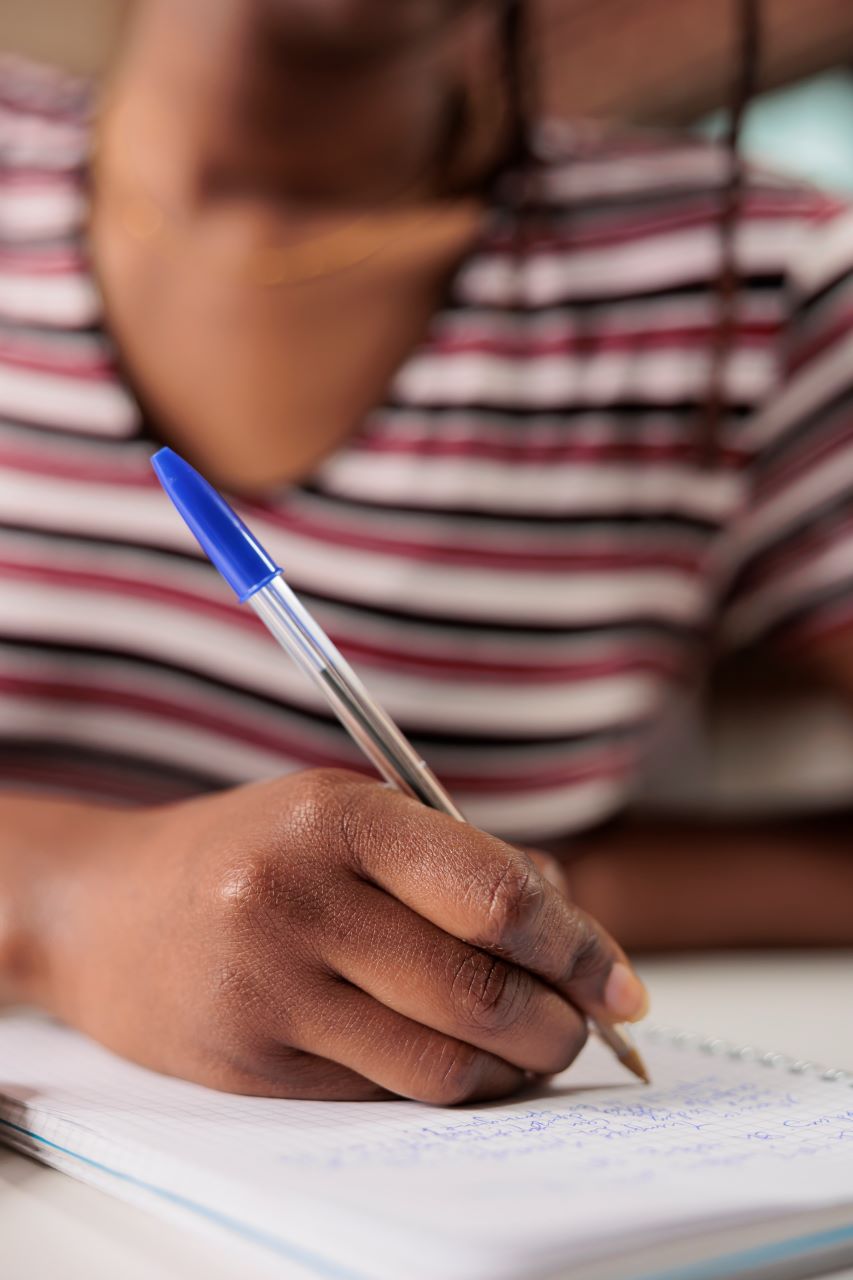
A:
x: 50, y: 1226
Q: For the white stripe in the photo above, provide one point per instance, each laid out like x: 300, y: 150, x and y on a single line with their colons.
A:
x: 34, y: 142
x: 52, y: 300
x: 81, y: 617
x: 817, y: 383
x: 545, y: 813
x: 806, y: 493
x: 655, y: 261
x: 30, y: 215
x: 137, y: 515
x: 526, y: 598
x: 769, y: 602
x: 679, y: 167
x: 540, y: 489
x: 86, y: 404
x: 545, y: 382
x: 826, y: 252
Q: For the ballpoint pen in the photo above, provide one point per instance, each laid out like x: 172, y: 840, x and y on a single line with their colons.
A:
x: 258, y: 581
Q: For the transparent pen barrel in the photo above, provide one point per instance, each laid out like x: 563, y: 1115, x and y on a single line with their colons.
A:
x: 373, y: 730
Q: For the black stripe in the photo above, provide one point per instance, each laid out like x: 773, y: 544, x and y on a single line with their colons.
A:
x: 698, y: 286
x: 622, y: 413
x: 806, y: 610
x: 808, y: 428
x: 824, y: 516
x: 837, y: 283
x: 15, y: 752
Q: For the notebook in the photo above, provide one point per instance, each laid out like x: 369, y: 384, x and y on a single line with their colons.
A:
x: 732, y: 1163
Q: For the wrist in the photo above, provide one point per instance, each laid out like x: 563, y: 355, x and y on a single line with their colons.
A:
x: 47, y: 850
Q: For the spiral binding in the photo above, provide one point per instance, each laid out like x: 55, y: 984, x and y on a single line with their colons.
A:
x: 717, y: 1048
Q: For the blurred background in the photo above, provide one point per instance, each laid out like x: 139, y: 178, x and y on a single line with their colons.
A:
x: 589, y: 64
x: 803, y: 122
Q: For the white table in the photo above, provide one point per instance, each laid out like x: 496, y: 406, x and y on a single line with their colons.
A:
x: 52, y: 1228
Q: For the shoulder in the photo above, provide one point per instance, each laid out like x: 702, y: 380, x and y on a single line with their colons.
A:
x: 597, y: 183
x: 626, y: 212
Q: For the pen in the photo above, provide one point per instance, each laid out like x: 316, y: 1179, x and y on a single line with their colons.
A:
x: 258, y: 581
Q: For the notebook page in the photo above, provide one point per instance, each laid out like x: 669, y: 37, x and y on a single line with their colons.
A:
x: 390, y: 1189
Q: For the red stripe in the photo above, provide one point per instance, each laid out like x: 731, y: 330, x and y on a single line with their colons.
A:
x: 88, y: 370
x: 758, y: 205
x: 135, y: 473
x: 774, y: 566
x: 108, y: 583
x: 42, y: 181
x: 50, y: 262
x: 171, y: 710
x: 809, y: 453
x: 841, y: 327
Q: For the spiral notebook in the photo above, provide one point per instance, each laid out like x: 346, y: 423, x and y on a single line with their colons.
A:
x: 732, y: 1163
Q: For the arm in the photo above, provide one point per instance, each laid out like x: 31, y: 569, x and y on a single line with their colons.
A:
x: 43, y: 846
x: 688, y: 53
x: 661, y: 885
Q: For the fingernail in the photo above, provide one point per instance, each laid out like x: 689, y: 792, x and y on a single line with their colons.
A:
x: 625, y: 997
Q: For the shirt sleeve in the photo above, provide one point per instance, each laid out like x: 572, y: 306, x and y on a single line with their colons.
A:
x: 790, y: 554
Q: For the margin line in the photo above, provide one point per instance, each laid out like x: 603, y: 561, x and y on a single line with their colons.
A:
x: 275, y: 1243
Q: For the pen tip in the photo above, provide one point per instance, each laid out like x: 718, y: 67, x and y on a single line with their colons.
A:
x: 634, y: 1062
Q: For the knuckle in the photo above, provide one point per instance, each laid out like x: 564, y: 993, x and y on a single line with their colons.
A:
x: 447, y: 1073
x: 250, y: 887
x: 316, y: 798
x: 510, y: 898
x: 486, y: 993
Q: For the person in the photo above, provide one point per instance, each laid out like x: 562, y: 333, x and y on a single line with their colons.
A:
x: 537, y: 420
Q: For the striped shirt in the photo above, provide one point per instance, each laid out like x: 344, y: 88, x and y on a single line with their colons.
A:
x: 522, y: 549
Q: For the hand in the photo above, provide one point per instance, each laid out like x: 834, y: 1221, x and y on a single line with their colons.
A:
x: 322, y: 936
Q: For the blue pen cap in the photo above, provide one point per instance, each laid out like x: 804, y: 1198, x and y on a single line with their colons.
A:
x: 223, y: 537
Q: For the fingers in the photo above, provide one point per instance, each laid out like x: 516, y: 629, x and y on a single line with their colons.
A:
x: 412, y: 967
x: 402, y: 1056
x: 485, y: 892
x: 282, y: 1072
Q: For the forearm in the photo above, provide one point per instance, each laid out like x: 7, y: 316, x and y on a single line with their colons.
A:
x: 658, y: 884
x: 43, y: 844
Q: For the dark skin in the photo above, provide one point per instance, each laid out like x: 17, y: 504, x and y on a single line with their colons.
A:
x: 320, y: 936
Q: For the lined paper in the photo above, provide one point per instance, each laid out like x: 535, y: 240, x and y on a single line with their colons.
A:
x: 396, y: 1188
